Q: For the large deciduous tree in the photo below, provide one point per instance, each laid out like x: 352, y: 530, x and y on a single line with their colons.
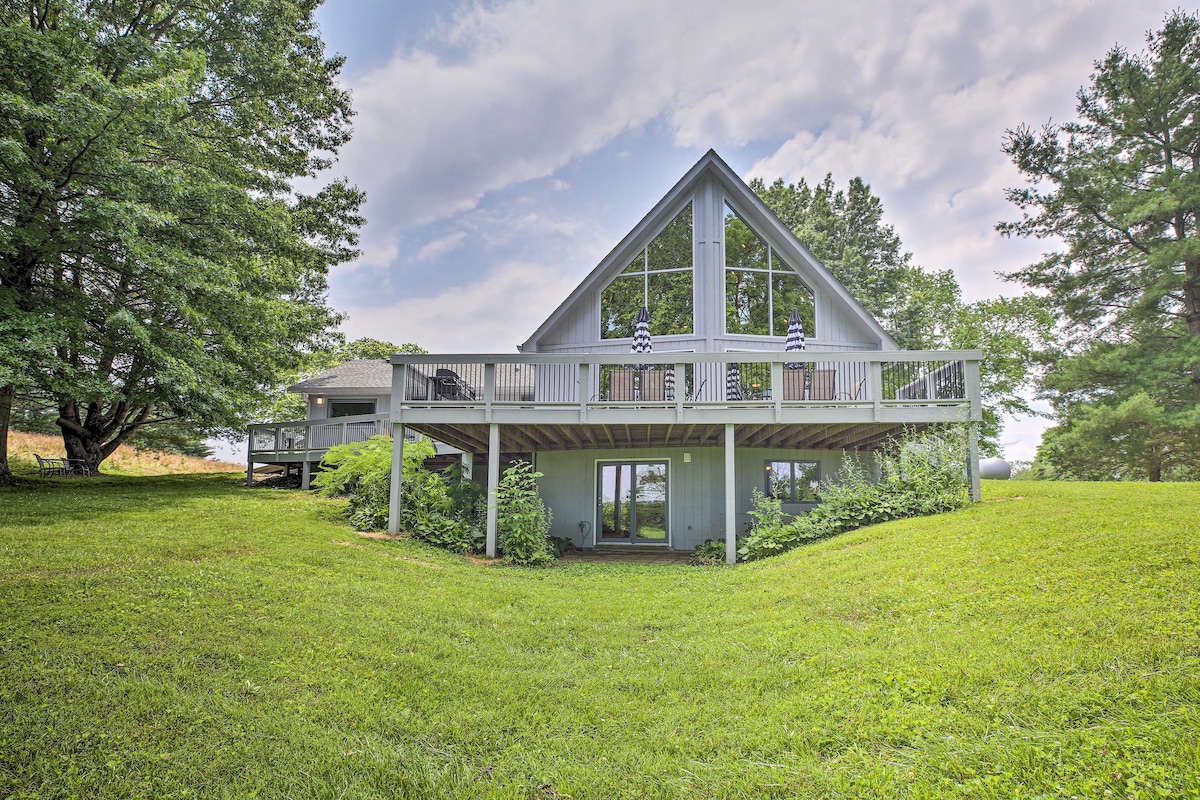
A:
x: 165, y: 229
x: 845, y: 230
x: 1120, y: 188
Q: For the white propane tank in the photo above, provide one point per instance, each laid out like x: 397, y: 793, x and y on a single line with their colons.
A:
x: 994, y: 469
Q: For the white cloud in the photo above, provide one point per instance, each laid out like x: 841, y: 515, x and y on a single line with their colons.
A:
x: 440, y: 247
x: 491, y: 315
x: 913, y: 95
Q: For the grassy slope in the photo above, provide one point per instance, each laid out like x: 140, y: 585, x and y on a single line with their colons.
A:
x: 125, y: 461
x: 173, y: 635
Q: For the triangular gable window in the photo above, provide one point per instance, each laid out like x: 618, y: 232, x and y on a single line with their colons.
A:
x: 760, y: 289
x: 660, y: 277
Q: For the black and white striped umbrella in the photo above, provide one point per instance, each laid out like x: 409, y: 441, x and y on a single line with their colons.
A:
x: 733, y: 383
x: 641, y: 334
x: 795, y: 339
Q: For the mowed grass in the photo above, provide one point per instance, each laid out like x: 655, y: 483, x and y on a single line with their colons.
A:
x: 184, y: 636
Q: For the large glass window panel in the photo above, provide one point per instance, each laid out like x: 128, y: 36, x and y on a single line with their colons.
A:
x: 779, y: 480
x: 788, y: 292
x: 672, y: 249
x: 806, y: 477
x: 793, y: 481
x: 619, y: 305
x: 746, y: 309
x: 743, y: 247
x: 616, y: 492
x: 348, y: 408
x: 645, y: 282
x: 670, y: 303
x: 651, y: 501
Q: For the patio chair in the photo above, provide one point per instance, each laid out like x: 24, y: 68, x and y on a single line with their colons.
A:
x: 793, y: 384
x: 654, y: 385
x: 447, y: 385
x: 853, y: 394
x: 48, y: 467
x: 620, y: 384
x: 699, y: 393
x: 822, y: 384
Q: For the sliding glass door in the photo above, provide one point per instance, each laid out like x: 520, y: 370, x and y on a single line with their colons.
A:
x: 631, y: 502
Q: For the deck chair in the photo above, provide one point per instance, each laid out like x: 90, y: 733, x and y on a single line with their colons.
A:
x: 793, y: 384
x: 654, y: 385
x: 620, y: 384
x: 822, y: 384
x: 853, y: 394
x: 449, y: 386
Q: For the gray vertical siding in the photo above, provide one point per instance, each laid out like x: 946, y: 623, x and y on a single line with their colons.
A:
x: 696, y: 497
x: 578, y: 330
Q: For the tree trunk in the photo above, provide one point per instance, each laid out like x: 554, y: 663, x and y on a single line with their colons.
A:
x: 6, y: 401
x: 85, y: 448
x: 95, y: 435
x: 1154, y: 466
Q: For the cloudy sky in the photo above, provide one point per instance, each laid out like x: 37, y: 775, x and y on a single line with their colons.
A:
x: 505, y: 147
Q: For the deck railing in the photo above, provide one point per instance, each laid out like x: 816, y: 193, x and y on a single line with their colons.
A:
x: 315, y: 436
x: 875, y: 379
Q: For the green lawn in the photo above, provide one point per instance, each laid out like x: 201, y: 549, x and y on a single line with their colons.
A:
x: 169, y: 637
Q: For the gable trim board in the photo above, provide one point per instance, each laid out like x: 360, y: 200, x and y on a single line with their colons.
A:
x: 755, y: 214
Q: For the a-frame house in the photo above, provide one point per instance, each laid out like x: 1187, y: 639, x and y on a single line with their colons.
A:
x: 665, y: 449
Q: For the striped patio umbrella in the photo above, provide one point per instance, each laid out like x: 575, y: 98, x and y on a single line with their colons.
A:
x: 733, y: 383
x: 641, y: 335
x: 795, y: 338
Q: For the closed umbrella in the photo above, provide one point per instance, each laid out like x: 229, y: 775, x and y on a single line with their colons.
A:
x: 641, y: 335
x: 795, y: 338
x: 733, y: 383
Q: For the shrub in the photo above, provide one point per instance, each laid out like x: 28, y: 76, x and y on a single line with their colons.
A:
x: 919, y: 475
x: 709, y: 553
x: 523, y: 519
x: 439, y: 510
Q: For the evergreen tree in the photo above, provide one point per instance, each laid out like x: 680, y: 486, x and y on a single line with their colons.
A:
x: 1118, y: 187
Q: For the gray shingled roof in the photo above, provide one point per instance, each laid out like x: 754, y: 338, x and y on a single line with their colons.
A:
x: 366, y: 373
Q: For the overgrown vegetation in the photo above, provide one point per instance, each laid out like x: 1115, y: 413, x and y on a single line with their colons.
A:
x: 918, y: 475
x: 442, y: 509
x: 524, y: 520
x: 175, y: 637
x: 126, y: 460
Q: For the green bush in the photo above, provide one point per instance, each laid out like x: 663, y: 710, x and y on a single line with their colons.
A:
x: 919, y: 475
x: 523, y: 519
x: 441, y: 510
x: 710, y: 552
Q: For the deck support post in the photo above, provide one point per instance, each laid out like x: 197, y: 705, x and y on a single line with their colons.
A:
x: 397, y: 477
x: 305, y: 473
x: 973, y: 461
x: 399, y: 382
x: 250, y: 458
x: 730, y: 498
x: 493, y: 483
x: 468, y: 465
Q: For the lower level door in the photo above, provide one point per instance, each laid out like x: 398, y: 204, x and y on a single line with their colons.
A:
x: 631, y: 502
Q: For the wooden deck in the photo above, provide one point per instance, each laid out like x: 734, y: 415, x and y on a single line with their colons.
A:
x: 813, y: 399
